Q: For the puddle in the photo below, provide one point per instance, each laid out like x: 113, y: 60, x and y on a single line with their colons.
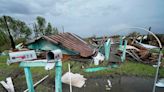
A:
x: 119, y: 84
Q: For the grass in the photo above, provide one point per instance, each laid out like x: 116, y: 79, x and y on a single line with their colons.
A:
x: 136, y: 69
x: 130, y: 68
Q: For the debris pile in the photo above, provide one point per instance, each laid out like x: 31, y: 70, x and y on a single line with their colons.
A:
x: 142, y: 53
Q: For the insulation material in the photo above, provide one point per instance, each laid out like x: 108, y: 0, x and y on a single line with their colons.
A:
x: 77, y: 80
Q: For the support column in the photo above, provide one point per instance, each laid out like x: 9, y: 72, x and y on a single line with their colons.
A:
x: 123, y: 57
x: 58, y: 82
x: 29, y: 79
x: 107, y: 46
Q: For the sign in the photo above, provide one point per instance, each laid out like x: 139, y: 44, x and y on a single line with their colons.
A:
x: 22, y: 56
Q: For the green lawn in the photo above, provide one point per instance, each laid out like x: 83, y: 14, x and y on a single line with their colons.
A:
x: 130, y: 68
x: 127, y: 68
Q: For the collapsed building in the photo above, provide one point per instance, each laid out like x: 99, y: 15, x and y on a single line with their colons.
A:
x: 69, y: 43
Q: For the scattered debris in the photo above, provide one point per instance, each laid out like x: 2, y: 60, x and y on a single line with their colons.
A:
x: 160, y: 83
x: 109, y: 86
x: 109, y: 83
x: 155, y: 66
x: 148, y: 46
x: 98, y: 58
x: 129, y: 47
x: 97, y: 84
x: 9, y: 85
x: 19, y: 46
x: 141, y: 52
x: 77, y: 80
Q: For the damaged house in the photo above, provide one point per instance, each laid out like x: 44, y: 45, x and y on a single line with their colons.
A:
x: 69, y: 43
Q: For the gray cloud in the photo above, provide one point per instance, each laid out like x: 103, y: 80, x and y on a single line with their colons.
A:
x: 13, y: 7
x: 88, y: 17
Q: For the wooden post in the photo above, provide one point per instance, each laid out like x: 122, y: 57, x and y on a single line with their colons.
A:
x: 123, y: 57
x: 70, y: 84
x: 107, y: 46
x: 29, y: 79
x: 58, y: 82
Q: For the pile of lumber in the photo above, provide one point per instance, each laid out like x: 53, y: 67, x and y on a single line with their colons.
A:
x: 141, y: 54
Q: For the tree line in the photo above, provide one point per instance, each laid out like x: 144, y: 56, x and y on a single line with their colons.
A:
x: 20, y: 30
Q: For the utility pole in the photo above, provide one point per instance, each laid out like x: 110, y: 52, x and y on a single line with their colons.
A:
x: 11, y: 38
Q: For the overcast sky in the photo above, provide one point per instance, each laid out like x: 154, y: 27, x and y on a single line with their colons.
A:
x: 89, y: 17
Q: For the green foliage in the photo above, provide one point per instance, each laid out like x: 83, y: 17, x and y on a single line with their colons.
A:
x: 3, y: 38
x: 17, y: 28
x: 48, y: 29
x: 55, y: 31
x: 20, y: 31
x: 41, y: 24
x: 41, y: 28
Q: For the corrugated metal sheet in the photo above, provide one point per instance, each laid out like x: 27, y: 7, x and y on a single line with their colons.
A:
x: 72, y: 42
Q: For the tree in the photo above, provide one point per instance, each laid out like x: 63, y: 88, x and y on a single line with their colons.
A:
x: 8, y: 29
x: 12, y: 28
x: 55, y: 31
x: 3, y: 38
x: 17, y: 28
x: 41, y: 24
x: 25, y: 31
x: 48, y: 29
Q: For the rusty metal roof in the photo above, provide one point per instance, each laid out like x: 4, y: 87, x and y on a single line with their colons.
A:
x: 72, y: 42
